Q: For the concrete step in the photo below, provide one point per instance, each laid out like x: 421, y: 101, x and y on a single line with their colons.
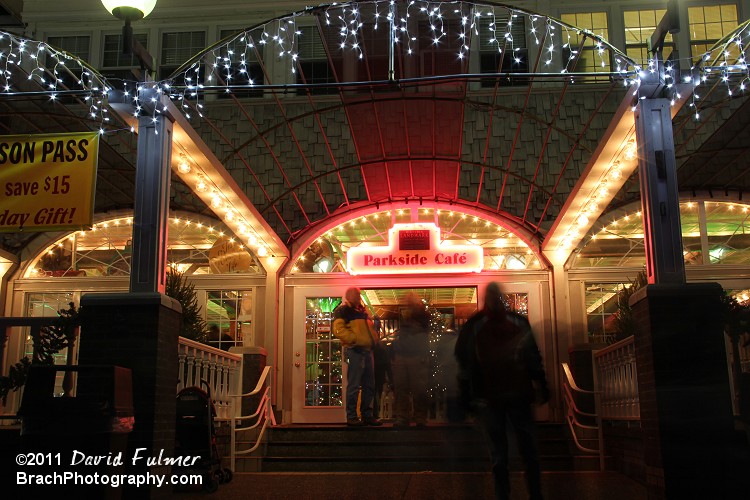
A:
x: 440, y: 448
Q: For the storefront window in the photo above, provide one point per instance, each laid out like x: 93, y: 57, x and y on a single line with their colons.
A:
x: 726, y: 229
x: 601, y: 306
x: 229, y: 318
x: 195, y: 247
x: 502, y: 249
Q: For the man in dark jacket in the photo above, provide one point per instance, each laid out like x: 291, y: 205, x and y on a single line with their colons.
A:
x: 500, y: 366
x: 353, y: 327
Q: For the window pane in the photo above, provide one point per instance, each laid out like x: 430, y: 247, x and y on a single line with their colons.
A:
x: 229, y: 318
x: 76, y: 45
x: 238, y: 65
x: 639, y: 27
x: 708, y: 24
x: 112, y: 56
x: 176, y: 48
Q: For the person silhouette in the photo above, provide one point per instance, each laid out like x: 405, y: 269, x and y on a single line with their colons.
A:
x: 411, y: 363
x: 500, y: 369
x: 354, y: 328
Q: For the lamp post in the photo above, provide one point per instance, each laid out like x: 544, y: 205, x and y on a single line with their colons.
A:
x: 151, y: 210
x: 139, y: 329
x: 128, y: 11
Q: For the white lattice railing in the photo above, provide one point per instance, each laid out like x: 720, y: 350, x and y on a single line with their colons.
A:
x: 202, y: 365
x: 617, y: 378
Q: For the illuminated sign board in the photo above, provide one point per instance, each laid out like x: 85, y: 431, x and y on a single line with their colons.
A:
x: 47, y: 181
x: 415, y: 249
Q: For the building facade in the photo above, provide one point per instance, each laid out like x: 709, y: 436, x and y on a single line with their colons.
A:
x: 484, y: 148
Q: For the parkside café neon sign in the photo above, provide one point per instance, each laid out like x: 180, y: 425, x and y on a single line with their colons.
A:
x: 415, y: 249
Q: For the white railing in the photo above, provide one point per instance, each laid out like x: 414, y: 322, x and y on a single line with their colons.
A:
x: 574, y: 413
x: 617, y: 379
x: 261, y: 418
x: 201, y: 364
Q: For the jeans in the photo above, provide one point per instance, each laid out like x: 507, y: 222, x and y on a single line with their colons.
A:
x: 494, y: 419
x: 360, y: 375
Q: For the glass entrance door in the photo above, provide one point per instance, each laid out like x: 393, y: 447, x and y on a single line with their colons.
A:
x: 318, y: 367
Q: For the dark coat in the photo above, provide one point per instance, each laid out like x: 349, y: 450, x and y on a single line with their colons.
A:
x: 498, y: 359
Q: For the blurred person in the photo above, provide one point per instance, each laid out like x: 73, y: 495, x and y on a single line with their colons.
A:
x: 383, y: 370
x: 354, y: 328
x: 411, y: 363
x: 501, y: 371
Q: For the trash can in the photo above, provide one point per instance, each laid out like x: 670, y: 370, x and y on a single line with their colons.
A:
x: 75, y: 440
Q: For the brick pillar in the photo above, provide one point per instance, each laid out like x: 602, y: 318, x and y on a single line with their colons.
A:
x: 138, y: 331
x: 686, y: 413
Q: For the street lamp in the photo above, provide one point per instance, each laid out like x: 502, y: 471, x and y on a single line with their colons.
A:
x: 152, y: 172
x: 132, y: 10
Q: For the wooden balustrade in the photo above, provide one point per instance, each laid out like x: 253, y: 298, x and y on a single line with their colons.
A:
x: 617, y: 380
x: 211, y: 369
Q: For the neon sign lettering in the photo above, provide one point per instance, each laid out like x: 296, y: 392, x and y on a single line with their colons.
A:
x: 424, y: 253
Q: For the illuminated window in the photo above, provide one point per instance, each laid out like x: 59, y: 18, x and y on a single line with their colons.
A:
x: 601, y: 305
x: 229, y: 318
x: 582, y: 53
x: 503, y: 250
x: 727, y: 231
x: 639, y: 26
x: 708, y: 25
x: 195, y: 247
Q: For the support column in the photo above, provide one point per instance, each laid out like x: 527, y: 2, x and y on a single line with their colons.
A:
x: 660, y: 200
x: 151, y: 212
x: 690, y: 447
x: 138, y: 331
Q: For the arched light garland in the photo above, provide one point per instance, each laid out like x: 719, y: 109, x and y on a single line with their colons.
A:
x: 448, y: 23
x: 214, y: 69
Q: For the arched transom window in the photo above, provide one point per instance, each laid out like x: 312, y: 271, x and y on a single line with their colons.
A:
x: 502, y: 248
x: 196, y: 246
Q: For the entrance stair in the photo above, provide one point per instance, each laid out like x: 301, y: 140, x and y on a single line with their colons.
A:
x: 437, y: 448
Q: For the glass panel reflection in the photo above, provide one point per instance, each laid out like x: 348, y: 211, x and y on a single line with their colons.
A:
x: 323, y: 375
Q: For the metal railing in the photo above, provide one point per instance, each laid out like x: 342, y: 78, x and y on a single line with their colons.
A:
x: 262, y: 416
x: 574, y: 414
x: 616, y: 373
x: 218, y: 368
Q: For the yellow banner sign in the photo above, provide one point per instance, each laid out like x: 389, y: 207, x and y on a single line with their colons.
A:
x: 47, y: 181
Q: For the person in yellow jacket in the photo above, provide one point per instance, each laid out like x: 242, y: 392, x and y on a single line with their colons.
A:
x: 354, y: 328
